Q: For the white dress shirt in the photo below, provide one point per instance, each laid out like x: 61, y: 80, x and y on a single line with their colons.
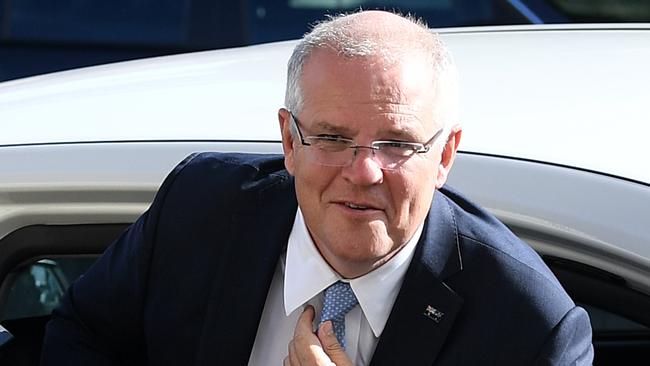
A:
x: 300, y: 278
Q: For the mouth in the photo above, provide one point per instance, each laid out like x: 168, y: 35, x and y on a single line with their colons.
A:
x: 360, y: 206
x: 355, y: 207
x: 359, y: 210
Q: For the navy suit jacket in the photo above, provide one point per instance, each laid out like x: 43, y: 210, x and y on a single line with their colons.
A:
x: 186, y: 284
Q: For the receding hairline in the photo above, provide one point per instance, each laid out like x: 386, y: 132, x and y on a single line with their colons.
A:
x: 368, y: 34
x: 372, y: 33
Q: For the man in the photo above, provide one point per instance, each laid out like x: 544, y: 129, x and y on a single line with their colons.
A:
x: 350, y: 250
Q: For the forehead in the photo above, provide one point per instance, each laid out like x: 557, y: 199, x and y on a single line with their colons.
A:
x: 369, y: 92
x: 371, y: 78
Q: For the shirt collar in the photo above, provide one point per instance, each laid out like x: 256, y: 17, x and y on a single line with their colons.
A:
x: 306, y: 274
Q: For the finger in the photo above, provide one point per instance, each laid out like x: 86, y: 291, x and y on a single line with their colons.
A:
x: 331, y: 345
x: 303, y: 338
x: 328, y: 339
x: 304, y: 327
x: 293, y: 354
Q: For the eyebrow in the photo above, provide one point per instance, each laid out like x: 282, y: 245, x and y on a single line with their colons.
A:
x: 328, y: 127
x: 406, y: 135
x: 401, y: 135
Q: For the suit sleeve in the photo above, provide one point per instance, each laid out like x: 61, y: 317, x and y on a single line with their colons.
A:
x: 99, y: 321
x: 570, y: 341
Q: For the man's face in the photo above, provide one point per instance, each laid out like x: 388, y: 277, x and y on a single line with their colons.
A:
x: 360, y: 215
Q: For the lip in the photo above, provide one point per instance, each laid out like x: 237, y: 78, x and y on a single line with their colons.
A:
x: 348, y: 207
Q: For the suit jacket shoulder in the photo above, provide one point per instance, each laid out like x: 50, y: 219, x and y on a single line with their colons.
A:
x: 478, y: 230
x: 232, y: 214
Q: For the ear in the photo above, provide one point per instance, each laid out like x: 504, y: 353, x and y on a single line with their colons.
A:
x: 448, y: 155
x: 284, y: 117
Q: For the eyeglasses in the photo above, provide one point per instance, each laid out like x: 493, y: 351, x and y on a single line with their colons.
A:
x: 339, y: 151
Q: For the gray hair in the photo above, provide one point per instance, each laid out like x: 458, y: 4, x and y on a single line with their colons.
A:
x: 339, y: 35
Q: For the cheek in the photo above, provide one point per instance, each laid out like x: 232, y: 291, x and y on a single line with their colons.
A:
x: 413, y: 195
x: 303, y: 171
x: 312, y: 180
x: 410, y: 203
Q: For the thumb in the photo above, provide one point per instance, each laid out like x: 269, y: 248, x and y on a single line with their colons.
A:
x: 331, y: 345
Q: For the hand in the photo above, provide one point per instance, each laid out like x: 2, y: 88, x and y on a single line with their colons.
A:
x: 309, y: 349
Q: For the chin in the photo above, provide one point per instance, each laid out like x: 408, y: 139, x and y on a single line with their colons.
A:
x: 365, y: 252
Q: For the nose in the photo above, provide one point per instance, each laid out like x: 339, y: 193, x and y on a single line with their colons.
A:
x: 363, y: 170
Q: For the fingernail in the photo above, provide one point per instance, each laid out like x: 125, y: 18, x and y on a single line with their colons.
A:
x: 327, y: 327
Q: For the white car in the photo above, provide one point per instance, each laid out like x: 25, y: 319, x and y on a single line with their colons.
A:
x: 555, y: 144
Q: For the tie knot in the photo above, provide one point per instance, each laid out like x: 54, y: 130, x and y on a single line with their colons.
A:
x: 339, y: 300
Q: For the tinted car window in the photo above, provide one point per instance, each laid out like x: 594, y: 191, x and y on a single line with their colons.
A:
x: 101, y: 21
x: 36, y: 289
x: 38, y: 37
x: 604, y: 10
x: 279, y: 20
x: 605, y: 321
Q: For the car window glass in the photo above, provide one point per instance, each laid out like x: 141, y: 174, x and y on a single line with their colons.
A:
x: 272, y: 20
x: 605, y: 321
x: 604, y: 10
x: 36, y: 289
x: 152, y: 22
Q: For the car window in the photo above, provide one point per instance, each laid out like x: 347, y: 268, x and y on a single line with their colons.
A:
x: 271, y: 20
x: 142, y: 22
x: 159, y: 23
x: 604, y: 10
x: 605, y: 321
x: 617, y: 340
x: 36, y: 289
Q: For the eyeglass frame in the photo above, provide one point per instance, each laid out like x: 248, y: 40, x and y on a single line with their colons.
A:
x: 423, y: 147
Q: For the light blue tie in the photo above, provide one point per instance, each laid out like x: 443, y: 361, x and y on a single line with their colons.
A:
x: 339, y: 300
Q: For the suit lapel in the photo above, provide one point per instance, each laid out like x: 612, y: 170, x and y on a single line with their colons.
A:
x: 425, y: 309
x: 259, y: 233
